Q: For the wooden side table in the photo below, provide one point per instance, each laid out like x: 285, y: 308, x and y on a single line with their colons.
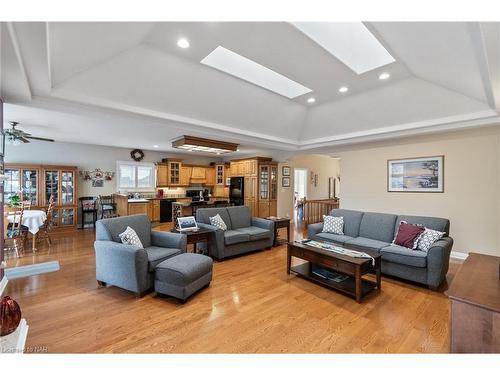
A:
x: 280, y: 223
x: 194, y: 237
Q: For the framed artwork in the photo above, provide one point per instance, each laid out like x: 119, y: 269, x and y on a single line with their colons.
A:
x: 416, y: 175
x: 285, y: 170
x: 285, y: 182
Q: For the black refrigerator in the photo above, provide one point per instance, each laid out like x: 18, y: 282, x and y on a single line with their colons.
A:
x: 237, y: 191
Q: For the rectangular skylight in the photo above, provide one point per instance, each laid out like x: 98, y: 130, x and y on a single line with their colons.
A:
x: 350, y: 42
x: 230, y: 62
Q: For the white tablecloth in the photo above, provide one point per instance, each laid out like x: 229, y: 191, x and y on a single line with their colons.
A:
x: 33, y: 219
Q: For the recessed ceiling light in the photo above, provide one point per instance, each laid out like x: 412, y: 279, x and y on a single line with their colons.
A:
x: 343, y: 89
x: 384, y: 76
x: 156, y: 146
x: 248, y: 70
x: 183, y: 43
x: 311, y: 100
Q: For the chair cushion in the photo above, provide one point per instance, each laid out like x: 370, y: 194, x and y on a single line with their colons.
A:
x: 183, y: 269
x: 256, y: 233
x: 402, y: 255
x: 241, y: 217
x: 130, y: 237
x: 232, y: 237
x: 109, y: 229
x: 352, y: 220
x: 156, y: 255
x: 107, y: 207
x: 330, y: 237
x: 377, y: 226
x: 362, y: 243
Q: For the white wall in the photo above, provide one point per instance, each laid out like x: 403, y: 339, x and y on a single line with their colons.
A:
x: 86, y: 157
x: 324, y: 166
x: 471, y: 198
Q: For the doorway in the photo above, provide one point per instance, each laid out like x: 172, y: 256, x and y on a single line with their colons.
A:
x: 300, y: 192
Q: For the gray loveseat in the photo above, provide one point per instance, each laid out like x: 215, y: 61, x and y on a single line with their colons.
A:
x: 127, y: 266
x: 244, y: 233
x: 376, y: 231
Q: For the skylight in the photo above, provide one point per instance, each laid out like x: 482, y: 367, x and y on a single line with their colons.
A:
x: 230, y: 62
x: 350, y: 42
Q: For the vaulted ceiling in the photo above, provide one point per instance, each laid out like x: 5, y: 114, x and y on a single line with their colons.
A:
x: 130, y: 85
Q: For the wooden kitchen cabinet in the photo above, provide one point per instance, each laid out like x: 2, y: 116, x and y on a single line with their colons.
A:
x: 210, y: 176
x: 174, y: 172
x: 219, y: 174
x: 185, y: 176
x: 161, y: 175
x: 199, y: 173
x: 138, y: 208
x: 155, y: 207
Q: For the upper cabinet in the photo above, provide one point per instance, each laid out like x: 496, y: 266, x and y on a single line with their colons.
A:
x: 161, y: 174
x: 186, y: 173
x: 219, y: 174
x: 174, y: 172
x: 210, y: 176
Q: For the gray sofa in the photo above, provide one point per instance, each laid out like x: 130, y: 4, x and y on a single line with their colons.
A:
x: 244, y: 233
x: 130, y: 267
x: 376, y: 231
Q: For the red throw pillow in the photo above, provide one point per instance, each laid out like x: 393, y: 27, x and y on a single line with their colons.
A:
x: 408, y: 234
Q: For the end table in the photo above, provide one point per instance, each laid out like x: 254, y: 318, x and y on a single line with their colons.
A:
x: 280, y: 222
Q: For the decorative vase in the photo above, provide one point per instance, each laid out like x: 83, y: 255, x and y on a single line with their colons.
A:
x: 10, y: 316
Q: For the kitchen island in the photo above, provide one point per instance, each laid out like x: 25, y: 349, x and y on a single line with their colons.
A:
x: 183, y: 208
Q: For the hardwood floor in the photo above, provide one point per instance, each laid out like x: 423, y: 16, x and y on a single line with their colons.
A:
x: 251, y: 306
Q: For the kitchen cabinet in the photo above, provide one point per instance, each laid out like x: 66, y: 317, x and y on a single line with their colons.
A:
x: 25, y: 178
x: 268, y: 189
x: 198, y: 174
x: 210, y: 176
x: 220, y: 175
x: 161, y: 175
x: 174, y: 172
x: 185, y: 175
x: 155, y: 216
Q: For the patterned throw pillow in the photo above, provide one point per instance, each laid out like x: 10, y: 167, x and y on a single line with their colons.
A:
x: 130, y: 237
x: 332, y: 224
x: 217, y: 221
x: 408, y: 235
x: 428, y: 238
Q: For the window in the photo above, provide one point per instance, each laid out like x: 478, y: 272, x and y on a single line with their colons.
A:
x: 135, y: 176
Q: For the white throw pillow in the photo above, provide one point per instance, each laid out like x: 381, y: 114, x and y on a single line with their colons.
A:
x: 427, y: 239
x: 217, y: 221
x: 130, y: 237
x: 332, y: 224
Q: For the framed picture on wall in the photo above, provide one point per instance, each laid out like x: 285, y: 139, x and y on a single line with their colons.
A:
x: 285, y: 170
x: 285, y: 182
x: 416, y: 175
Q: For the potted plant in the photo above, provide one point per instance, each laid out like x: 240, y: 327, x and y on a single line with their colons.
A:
x: 14, y: 200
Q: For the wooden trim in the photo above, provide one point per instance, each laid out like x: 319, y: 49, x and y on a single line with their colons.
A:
x: 187, y: 139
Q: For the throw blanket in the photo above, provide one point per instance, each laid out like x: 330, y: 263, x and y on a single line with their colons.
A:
x: 338, y: 250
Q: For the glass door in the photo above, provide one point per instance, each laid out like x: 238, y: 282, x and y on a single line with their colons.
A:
x: 29, y: 182
x: 67, y: 216
x: 274, y: 182
x: 219, y: 174
x: 175, y: 173
x: 12, y: 183
x: 264, y: 182
x: 67, y: 188
x: 52, y: 186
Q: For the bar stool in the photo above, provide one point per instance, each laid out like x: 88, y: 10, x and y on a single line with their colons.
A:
x: 88, y: 206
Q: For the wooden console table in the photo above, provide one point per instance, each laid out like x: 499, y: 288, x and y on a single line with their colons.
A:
x: 475, y: 306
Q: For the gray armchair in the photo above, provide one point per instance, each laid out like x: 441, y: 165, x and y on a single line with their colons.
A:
x: 127, y: 266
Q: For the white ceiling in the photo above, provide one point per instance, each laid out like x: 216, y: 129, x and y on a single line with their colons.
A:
x: 130, y: 85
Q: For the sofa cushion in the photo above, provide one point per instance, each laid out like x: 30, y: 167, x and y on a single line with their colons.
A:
x: 378, y: 226
x: 352, y: 220
x: 256, y: 233
x: 408, y: 235
x: 333, y: 224
x: 232, y: 237
x: 363, y: 243
x: 402, y: 255
x: 241, y: 217
x: 156, y: 255
x: 217, y: 222
x: 203, y: 215
x: 435, y: 223
x: 330, y: 237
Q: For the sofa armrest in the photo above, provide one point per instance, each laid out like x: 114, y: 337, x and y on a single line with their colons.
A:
x: 216, y: 240
x: 438, y: 260
x: 313, y: 229
x: 263, y: 223
x: 168, y: 239
x: 125, y: 266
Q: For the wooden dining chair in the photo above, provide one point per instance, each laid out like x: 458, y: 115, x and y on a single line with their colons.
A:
x: 26, y: 205
x: 15, y: 233
x: 48, y: 225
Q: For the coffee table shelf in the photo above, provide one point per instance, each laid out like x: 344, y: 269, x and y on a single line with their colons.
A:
x: 347, y: 286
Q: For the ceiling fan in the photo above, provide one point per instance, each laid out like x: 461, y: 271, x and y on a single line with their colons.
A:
x: 17, y: 136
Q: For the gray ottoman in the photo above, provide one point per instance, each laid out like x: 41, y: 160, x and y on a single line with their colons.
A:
x: 183, y: 275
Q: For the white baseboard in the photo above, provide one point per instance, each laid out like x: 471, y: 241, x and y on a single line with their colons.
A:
x: 459, y: 256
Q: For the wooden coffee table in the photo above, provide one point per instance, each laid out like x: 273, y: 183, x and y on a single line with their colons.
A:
x: 355, y: 285
x: 194, y: 237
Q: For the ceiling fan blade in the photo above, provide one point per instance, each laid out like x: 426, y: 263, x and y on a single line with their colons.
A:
x: 40, y: 138
x: 22, y: 139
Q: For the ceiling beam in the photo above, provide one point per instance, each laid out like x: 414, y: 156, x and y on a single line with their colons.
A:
x: 19, y: 57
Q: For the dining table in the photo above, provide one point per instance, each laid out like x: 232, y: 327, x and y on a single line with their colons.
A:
x: 33, y: 220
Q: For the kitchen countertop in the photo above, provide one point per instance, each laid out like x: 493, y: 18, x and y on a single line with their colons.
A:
x: 188, y: 204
